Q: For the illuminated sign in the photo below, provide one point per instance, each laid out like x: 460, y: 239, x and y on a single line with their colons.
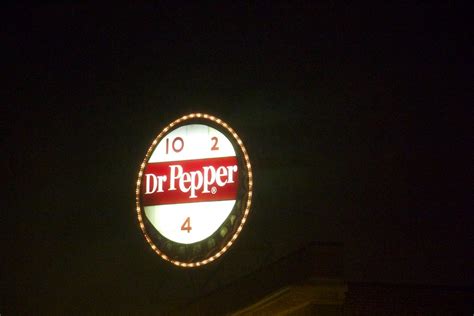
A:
x: 194, y: 190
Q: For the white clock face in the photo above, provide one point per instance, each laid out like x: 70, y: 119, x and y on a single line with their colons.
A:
x: 189, y: 186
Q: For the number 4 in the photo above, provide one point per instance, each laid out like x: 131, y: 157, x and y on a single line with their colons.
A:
x: 187, y: 225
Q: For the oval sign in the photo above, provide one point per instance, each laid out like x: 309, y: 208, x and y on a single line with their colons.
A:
x: 194, y: 190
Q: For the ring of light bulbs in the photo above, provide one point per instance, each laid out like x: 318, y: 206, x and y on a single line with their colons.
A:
x: 249, y: 192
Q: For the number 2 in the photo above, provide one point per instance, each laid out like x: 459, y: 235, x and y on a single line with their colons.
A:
x: 187, y: 224
x: 215, y: 147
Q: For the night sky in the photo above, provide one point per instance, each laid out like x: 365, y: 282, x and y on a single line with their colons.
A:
x: 358, y: 123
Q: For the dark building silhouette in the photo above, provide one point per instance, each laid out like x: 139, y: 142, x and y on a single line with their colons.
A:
x: 311, y: 282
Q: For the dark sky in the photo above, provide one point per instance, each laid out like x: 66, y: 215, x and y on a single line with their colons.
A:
x: 358, y: 122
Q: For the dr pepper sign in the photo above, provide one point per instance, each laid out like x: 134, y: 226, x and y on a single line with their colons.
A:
x: 194, y: 190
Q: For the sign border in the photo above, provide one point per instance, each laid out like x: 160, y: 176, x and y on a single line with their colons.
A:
x: 215, y: 254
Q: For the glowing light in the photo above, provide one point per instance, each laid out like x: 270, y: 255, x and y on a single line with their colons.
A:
x: 211, y: 215
x: 249, y: 193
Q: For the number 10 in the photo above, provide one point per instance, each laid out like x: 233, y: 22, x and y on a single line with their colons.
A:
x: 177, y: 145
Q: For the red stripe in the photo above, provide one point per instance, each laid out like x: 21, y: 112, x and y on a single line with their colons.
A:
x: 156, y: 189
